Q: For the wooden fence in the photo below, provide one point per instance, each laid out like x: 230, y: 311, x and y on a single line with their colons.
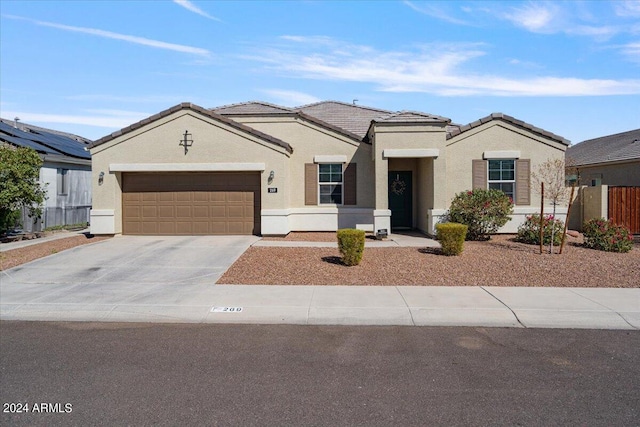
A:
x: 624, y: 207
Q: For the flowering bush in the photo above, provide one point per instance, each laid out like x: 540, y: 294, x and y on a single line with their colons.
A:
x: 483, y: 211
x: 529, y: 231
x: 604, y: 235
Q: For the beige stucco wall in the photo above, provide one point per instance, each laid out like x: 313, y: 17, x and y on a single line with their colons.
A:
x: 495, y: 136
x: 158, y: 142
x: 309, y: 140
x: 403, y: 137
x: 621, y: 174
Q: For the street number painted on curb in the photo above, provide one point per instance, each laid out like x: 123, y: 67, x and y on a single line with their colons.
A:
x: 226, y: 309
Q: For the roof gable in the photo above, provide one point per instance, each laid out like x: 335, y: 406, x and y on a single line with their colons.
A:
x: 251, y: 107
x: 200, y: 110
x: 412, y: 117
x: 611, y: 148
x: 455, y: 131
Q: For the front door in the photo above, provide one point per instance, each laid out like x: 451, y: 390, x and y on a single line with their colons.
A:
x: 400, y: 200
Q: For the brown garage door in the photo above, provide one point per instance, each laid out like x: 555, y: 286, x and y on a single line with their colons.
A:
x: 191, y: 203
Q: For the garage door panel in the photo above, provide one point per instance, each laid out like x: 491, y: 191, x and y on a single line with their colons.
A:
x: 201, y: 196
x: 148, y: 212
x: 191, y: 203
x: 184, y: 212
x: 183, y: 196
x: 166, y: 197
x: 218, y: 197
x: 201, y: 212
x: 235, y: 212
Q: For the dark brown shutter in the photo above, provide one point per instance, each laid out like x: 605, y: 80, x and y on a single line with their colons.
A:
x: 479, y: 179
x: 523, y: 176
x: 350, y: 185
x: 310, y: 184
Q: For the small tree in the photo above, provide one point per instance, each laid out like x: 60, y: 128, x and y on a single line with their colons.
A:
x: 19, y: 185
x: 552, y: 174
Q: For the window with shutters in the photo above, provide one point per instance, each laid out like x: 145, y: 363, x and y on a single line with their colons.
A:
x: 330, y: 183
x: 502, y: 176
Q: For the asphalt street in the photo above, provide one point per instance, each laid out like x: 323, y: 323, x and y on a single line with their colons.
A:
x: 288, y: 375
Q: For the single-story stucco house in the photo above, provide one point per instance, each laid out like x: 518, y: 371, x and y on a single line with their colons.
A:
x: 65, y: 173
x: 607, y: 160
x: 259, y: 168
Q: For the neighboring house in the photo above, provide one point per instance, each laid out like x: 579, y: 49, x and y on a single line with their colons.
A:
x: 65, y: 173
x: 607, y: 172
x: 608, y: 160
x: 259, y: 168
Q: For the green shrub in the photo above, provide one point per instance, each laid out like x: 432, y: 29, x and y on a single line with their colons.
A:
x: 483, y: 211
x: 529, y: 231
x: 9, y: 220
x: 451, y: 236
x: 351, y: 245
x: 604, y: 235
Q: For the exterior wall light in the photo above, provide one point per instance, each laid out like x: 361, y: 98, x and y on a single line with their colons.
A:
x: 101, y: 178
x: 272, y: 175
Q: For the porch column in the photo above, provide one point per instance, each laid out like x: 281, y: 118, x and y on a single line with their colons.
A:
x: 440, y: 194
x: 381, y: 213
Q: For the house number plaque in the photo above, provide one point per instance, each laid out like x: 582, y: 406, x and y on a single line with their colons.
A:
x: 272, y: 190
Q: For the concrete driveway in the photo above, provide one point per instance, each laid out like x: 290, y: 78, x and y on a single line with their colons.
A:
x: 119, y: 272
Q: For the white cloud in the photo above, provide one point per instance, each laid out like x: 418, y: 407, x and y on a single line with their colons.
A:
x: 290, y: 97
x: 441, y: 73
x: 195, y: 9
x: 554, y: 18
x: 627, y: 8
x: 159, y: 99
x: 116, y: 36
x: 115, y: 119
x: 435, y: 10
x: 535, y: 17
x: 632, y: 51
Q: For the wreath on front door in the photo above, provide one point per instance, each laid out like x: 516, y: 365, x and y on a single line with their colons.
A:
x: 398, y: 186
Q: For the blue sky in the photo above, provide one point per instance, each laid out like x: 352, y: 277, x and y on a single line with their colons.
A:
x: 92, y: 67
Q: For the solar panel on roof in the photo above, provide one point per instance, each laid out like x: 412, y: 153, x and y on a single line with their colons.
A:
x: 20, y: 142
x: 60, y: 144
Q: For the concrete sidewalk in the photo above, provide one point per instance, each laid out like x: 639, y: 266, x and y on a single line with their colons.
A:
x: 589, y: 308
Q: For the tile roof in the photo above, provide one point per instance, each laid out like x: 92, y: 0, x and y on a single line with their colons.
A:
x: 201, y: 110
x: 355, y: 119
x: 258, y: 108
x: 455, y: 131
x: 611, y: 148
x: 251, y: 107
x: 45, y: 141
x: 412, y: 117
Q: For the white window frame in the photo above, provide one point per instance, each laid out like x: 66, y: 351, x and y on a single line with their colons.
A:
x: 329, y: 183
x: 502, y: 181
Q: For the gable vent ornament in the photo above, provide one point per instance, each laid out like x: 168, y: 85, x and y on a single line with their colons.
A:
x: 186, y: 141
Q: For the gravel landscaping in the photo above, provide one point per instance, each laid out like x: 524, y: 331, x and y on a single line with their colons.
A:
x: 15, y: 257
x: 498, y: 262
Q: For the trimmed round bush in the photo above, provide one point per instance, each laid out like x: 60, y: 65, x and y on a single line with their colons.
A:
x: 451, y: 236
x: 351, y: 245
x: 483, y: 211
x: 529, y: 231
x: 604, y: 235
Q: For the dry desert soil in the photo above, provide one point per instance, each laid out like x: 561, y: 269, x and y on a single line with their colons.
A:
x: 497, y: 262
